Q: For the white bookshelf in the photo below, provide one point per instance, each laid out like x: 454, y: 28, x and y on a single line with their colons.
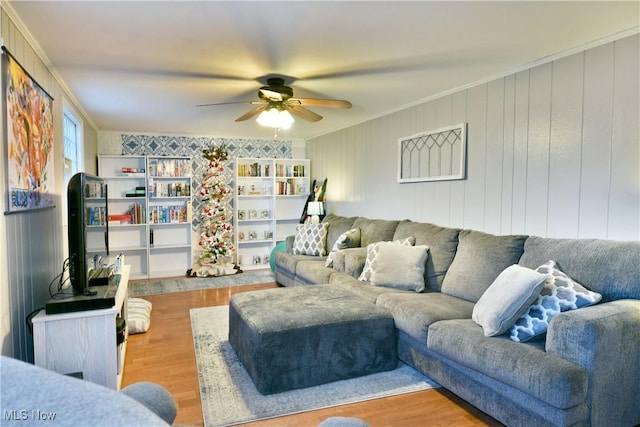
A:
x: 269, y: 197
x: 153, y: 228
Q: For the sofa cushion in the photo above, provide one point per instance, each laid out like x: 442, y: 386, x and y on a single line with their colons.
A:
x: 348, y: 239
x: 311, y: 239
x: 399, y: 266
x: 442, y: 242
x: 479, y: 259
x: 560, y: 293
x: 372, y: 256
x: 337, y: 226
x: 313, y: 272
x: 508, y: 297
x: 527, y: 367
x: 605, y: 266
x: 286, y: 261
x: 414, y: 313
x: 374, y: 230
x: 361, y: 289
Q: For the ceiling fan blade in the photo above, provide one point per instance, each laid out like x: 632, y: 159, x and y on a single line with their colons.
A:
x: 251, y: 113
x: 304, y: 113
x: 231, y: 103
x: 325, y: 103
x: 223, y: 103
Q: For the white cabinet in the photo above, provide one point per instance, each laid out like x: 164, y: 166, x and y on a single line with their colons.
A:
x: 84, y: 341
x: 149, y: 201
x: 270, y: 195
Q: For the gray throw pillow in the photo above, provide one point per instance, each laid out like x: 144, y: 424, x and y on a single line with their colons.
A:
x: 400, y: 267
x: 348, y: 239
x: 508, y: 297
x: 479, y: 259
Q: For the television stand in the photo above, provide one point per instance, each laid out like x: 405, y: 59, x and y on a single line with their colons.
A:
x: 84, y: 341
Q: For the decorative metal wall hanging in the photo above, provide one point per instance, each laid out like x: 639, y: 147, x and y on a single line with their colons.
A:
x: 436, y: 155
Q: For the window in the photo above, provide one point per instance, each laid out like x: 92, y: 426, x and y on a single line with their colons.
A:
x: 73, y: 153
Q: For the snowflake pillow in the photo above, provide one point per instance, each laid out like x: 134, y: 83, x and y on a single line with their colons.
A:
x: 559, y: 294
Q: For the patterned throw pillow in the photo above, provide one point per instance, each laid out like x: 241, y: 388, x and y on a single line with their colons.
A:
x: 348, y: 239
x: 139, y: 315
x: 562, y: 293
x: 372, y: 255
x: 311, y: 239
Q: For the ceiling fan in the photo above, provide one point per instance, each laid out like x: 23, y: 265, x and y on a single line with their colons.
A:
x: 276, y: 100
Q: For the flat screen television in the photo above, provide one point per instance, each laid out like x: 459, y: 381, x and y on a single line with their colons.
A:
x: 87, y: 217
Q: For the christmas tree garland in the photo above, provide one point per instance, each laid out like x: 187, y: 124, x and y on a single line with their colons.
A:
x: 216, y: 231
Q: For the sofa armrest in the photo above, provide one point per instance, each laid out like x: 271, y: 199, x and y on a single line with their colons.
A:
x: 605, y: 340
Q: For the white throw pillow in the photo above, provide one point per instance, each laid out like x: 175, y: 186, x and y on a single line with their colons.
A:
x: 348, y: 239
x: 138, y: 315
x: 400, y: 267
x: 372, y: 254
x: 508, y: 297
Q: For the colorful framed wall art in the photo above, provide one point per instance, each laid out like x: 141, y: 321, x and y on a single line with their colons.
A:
x: 28, y: 137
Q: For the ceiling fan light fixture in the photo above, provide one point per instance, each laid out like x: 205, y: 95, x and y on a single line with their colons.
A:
x: 275, y: 118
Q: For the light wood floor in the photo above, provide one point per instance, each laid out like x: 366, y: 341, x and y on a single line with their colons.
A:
x: 165, y: 355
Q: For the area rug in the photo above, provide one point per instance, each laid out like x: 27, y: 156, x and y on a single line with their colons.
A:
x: 229, y: 396
x: 148, y: 287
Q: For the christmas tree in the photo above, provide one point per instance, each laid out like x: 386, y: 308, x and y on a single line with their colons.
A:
x: 216, y: 232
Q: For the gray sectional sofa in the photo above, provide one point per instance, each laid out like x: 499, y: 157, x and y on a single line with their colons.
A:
x: 584, y: 372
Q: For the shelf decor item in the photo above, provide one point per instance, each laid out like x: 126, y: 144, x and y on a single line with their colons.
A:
x: 216, y: 231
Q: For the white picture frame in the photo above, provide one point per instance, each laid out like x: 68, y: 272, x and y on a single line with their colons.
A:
x: 435, y: 155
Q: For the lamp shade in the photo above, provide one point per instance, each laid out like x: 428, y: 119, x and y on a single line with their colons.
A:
x: 315, y: 208
x: 275, y: 118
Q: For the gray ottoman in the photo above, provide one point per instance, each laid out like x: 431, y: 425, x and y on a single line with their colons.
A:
x: 290, y: 338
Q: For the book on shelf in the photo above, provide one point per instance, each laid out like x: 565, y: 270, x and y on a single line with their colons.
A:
x: 253, y: 170
x: 170, y: 167
x: 116, y: 219
x: 295, y: 171
x: 289, y: 187
x: 169, y: 189
x: 137, y: 213
x: 96, y: 216
x: 130, y: 171
x: 95, y: 189
x: 176, y: 214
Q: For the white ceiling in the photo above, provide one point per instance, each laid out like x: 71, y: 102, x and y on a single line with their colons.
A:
x: 143, y: 66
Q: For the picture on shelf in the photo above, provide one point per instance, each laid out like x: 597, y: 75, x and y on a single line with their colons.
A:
x: 253, y: 214
x: 265, y: 213
x: 242, y: 215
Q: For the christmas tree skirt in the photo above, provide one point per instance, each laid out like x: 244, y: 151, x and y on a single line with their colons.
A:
x: 212, y: 270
